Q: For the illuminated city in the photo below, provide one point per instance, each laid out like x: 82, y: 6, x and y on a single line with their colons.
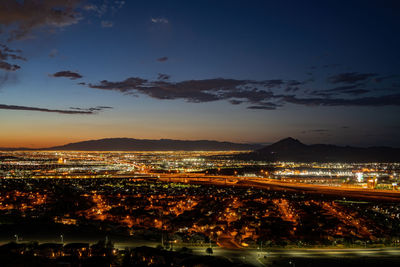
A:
x: 194, y: 200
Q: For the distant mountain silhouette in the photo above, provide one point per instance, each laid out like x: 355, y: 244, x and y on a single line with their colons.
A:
x: 290, y: 149
x: 130, y: 144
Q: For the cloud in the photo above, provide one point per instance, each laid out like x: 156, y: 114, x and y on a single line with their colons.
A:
x: 350, y: 77
x: 235, y: 102
x: 101, y: 9
x: 22, y: 17
x: 123, y: 86
x: 316, y: 131
x: 273, y: 83
x: 90, y: 7
x: 191, y: 90
x: 104, y: 107
x: 164, y: 77
x: 270, y: 106
x: 162, y: 59
x: 67, y: 74
x: 7, y: 54
x: 8, y: 67
x: 257, y: 95
x: 385, y: 100
x: 384, y: 78
x: 159, y: 20
x: 346, y: 89
x: 61, y: 111
x: 98, y: 108
x: 294, y: 85
x: 107, y: 24
x: 357, y: 91
x: 198, y: 91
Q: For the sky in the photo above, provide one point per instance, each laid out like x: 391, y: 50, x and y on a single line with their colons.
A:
x: 242, y: 71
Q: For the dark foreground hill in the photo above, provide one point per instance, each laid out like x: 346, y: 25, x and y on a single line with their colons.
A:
x: 290, y: 149
x: 129, y: 144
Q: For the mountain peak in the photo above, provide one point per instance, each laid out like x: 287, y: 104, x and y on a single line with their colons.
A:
x: 290, y: 149
x: 286, y: 144
x: 289, y: 141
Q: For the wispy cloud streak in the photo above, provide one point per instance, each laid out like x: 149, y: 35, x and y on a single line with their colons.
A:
x: 83, y: 111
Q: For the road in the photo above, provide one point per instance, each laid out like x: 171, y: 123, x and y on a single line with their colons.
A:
x: 251, y: 256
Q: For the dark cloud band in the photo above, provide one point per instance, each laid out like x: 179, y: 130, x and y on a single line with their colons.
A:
x: 61, y: 111
x: 162, y: 59
x: 350, y: 77
x: 259, y: 95
x: 67, y: 74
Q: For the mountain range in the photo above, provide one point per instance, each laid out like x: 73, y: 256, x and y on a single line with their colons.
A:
x: 130, y: 144
x: 290, y: 149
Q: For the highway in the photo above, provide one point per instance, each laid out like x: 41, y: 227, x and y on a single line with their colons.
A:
x: 276, y: 185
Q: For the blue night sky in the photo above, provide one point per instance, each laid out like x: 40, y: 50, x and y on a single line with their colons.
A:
x: 242, y: 71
